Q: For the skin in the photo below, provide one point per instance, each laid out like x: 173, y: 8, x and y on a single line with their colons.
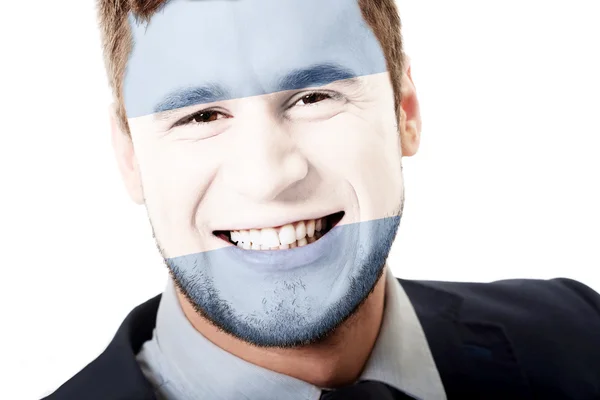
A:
x: 268, y: 158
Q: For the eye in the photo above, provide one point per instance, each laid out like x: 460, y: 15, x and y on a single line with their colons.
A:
x: 313, y: 98
x: 202, y: 117
x: 315, y: 106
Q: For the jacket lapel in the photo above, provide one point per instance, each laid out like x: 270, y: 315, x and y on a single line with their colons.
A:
x: 475, y: 358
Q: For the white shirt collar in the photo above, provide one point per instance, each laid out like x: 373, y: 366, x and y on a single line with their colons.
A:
x: 401, y: 356
x: 184, y: 364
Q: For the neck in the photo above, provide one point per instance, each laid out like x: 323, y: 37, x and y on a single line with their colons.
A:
x: 336, y: 361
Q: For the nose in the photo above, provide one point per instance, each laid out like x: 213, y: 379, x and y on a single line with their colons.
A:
x: 266, y: 164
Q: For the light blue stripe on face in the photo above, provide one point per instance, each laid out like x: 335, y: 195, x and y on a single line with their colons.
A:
x: 288, y: 297
x: 197, y: 52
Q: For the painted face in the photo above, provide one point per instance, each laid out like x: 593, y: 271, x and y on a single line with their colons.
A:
x: 269, y: 156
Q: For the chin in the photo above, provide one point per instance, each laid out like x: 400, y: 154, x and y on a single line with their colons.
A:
x: 287, y: 297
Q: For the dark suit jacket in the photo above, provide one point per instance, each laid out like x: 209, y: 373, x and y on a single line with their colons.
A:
x: 509, y: 340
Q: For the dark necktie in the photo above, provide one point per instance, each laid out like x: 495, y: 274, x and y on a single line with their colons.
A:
x: 366, y: 390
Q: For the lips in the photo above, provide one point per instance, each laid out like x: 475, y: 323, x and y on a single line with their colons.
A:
x: 289, y: 236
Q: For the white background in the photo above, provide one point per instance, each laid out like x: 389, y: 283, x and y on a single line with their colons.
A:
x: 505, y: 185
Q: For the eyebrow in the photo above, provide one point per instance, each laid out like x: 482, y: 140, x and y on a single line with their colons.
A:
x: 316, y: 75
x: 189, y: 97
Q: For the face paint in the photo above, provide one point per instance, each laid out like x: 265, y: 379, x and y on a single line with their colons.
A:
x: 259, y: 114
x: 244, y: 48
x: 288, y: 297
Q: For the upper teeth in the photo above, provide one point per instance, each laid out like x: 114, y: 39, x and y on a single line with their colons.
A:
x: 287, y: 236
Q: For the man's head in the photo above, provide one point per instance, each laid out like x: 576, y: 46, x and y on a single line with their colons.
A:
x: 247, y: 126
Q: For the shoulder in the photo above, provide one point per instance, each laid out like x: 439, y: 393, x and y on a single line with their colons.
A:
x: 551, y: 326
x: 115, y: 373
x: 561, y: 298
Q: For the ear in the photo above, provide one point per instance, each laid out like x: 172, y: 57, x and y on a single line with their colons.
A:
x: 410, y: 118
x: 126, y: 160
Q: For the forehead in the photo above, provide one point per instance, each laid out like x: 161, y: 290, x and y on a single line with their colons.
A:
x: 244, y: 48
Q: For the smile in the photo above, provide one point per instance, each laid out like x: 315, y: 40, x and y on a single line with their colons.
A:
x: 289, y: 236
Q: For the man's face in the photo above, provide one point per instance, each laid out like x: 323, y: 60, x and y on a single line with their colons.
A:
x: 267, y: 147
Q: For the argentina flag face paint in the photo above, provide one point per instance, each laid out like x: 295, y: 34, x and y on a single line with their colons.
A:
x: 268, y: 152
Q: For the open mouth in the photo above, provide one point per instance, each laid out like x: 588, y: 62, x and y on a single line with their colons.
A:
x: 297, y: 234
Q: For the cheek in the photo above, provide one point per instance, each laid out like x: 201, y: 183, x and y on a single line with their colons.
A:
x: 364, y: 151
x: 175, y: 176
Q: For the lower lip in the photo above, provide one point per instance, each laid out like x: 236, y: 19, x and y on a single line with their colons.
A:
x: 326, y: 246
